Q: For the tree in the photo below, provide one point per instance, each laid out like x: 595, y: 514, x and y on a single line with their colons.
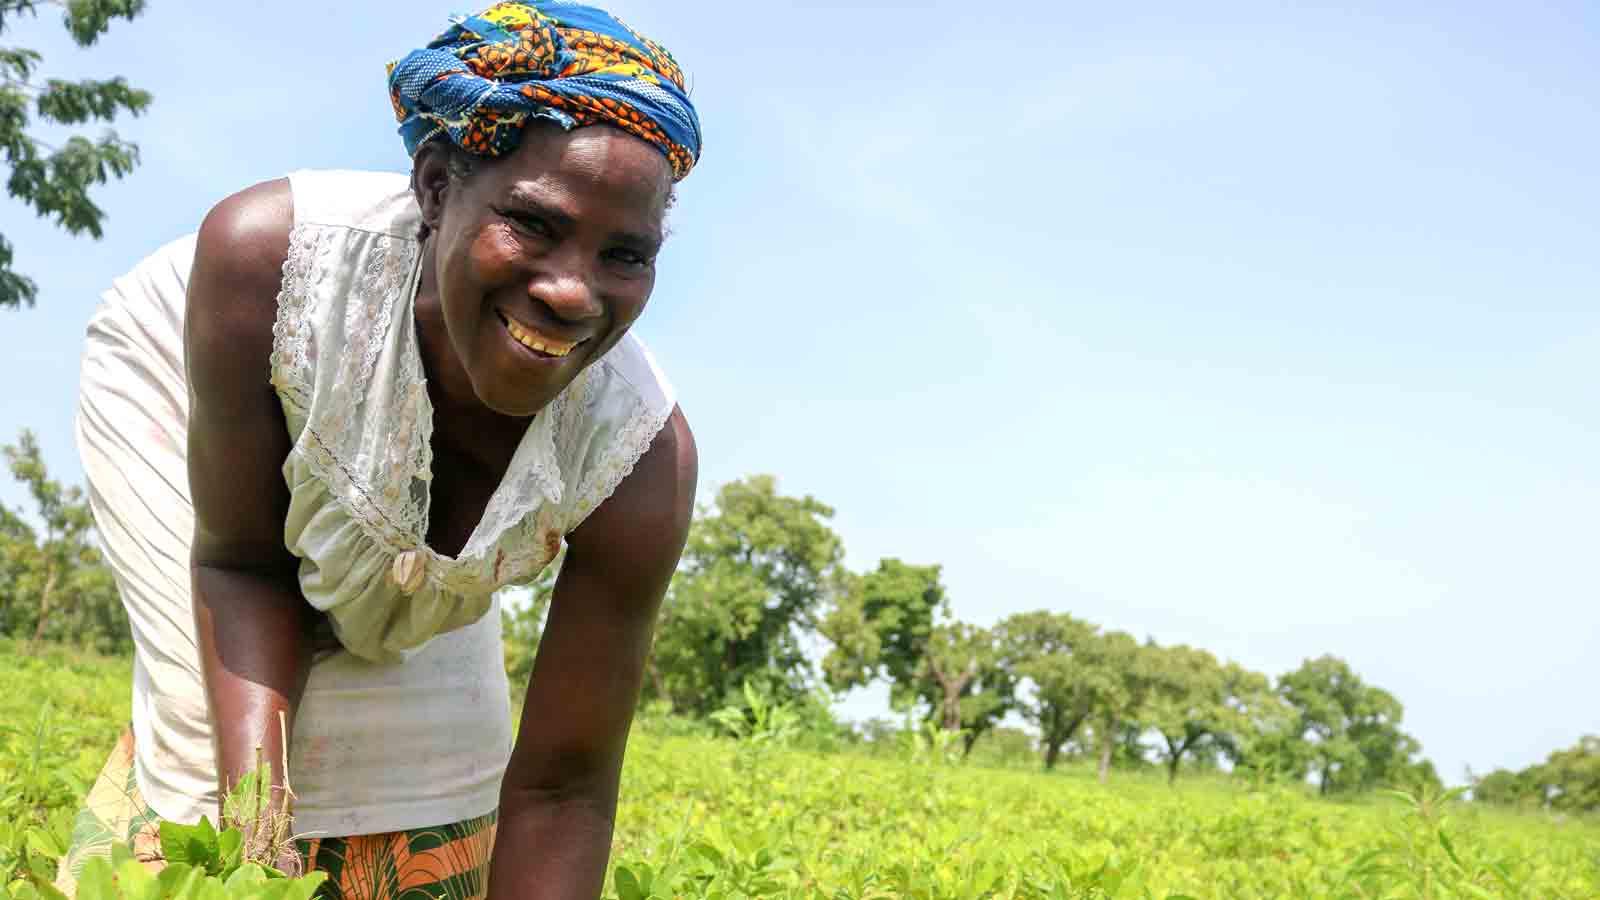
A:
x: 55, y: 179
x: 1351, y: 730
x: 56, y: 584
x: 963, y: 679
x: 1569, y: 780
x: 756, y: 570
x: 1196, y: 703
x: 1047, y: 651
x: 883, y: 627
x: 1503, y: 787
x: 1118, y: 677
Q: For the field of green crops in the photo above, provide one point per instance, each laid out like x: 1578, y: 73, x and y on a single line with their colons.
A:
x: 707, y: 817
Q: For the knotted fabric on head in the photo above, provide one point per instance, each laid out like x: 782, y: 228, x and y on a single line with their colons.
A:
x: 484, y: 78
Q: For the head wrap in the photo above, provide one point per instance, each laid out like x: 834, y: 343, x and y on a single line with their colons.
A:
x: 481, y: 81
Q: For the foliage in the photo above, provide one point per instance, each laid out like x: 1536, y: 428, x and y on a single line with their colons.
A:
x: 53, y: 582
x: 1355, y: 741
x: 755, y: 572
x: 55, y: 179
x: 758, y: 724
x: 55, y: 732
x: 1567, y: 781
x: 1503, y: 787
x: 798, y: 824
x: 883, y: 627
x: 1118, y: 675
x: 1199, y: 706
x: 1048, y: 650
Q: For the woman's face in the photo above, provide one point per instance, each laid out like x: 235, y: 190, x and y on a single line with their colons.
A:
x: 543, y: 258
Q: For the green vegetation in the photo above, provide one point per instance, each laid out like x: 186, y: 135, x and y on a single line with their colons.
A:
x: 54, y: 179
x: 58, y: 723
x: 53, y: 583
x: 762, y: 596
x: 759, y: 813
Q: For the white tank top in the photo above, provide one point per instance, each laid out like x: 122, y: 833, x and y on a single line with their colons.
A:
x: 409, y: 725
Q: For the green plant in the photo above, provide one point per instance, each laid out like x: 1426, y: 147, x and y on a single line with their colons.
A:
x: 759, y: 721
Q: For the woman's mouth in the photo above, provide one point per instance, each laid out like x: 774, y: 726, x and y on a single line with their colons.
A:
x: 536, y: 341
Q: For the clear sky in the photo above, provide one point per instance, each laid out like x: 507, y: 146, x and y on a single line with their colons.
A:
x: 1269, y: 330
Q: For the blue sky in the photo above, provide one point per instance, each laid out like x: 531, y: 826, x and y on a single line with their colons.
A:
x: 1264, y: 329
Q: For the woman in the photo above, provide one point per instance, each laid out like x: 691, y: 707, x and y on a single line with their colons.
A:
x: 358, y: 404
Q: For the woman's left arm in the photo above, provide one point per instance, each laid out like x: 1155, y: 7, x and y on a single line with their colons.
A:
x: 559, y: 798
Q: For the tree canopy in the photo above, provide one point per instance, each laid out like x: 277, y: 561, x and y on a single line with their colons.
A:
x: 756, y: 569
x: 53, y: 583
x: 54, y: 178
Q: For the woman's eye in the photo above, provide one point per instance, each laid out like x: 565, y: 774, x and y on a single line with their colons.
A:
x: 532, y: 225
x: 629, y: 258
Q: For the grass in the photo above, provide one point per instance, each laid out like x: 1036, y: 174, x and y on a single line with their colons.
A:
x: 718, y: 818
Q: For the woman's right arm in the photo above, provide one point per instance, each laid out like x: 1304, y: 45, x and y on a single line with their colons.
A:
x: 248, y: 610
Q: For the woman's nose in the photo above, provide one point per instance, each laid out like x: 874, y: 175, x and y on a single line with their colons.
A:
x: 567, y: 288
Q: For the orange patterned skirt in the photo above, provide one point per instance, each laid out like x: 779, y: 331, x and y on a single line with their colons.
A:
x: 448, y: 862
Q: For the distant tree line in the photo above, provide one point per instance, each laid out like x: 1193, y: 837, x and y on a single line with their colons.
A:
x: 762, y: 595
x: 762, y: 580
x: 54, y: 585
x: 1567, y: 781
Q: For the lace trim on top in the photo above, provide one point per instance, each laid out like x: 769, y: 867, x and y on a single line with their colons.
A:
x: 380, y: 476
x: 628, y: 447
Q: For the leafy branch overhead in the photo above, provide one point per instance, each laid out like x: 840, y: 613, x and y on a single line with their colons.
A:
x: 55, y: 178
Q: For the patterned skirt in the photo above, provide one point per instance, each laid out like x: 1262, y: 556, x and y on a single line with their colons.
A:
x: 448, y: 862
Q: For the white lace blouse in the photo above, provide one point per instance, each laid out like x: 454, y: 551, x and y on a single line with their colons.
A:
x: 347, y: 367
x: 409, y: 725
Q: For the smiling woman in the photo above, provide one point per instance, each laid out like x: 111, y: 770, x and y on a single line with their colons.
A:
x: 322, y: 432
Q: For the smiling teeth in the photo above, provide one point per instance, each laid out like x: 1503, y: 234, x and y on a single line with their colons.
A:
x: 539, y: 342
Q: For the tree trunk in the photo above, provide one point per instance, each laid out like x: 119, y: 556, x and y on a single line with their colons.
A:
x: 967, y: 740
x: 1052, y: 750
x: 950, y: 709
x: 1106, y: 743
x: 655, y: 680
x: 44, y: 605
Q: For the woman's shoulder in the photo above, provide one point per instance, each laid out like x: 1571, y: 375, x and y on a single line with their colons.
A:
x: 238, y: 264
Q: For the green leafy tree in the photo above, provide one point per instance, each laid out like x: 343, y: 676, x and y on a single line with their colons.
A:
x: 55, y: 178
x: 1118, y: 674
x: 884, y: 627
x: 964, y: 680
x: 881, y: 626
x: 57, y: 586
x: 1503, y: 787
x: 1047, y: 652
x: 757, y: 570
x: 1569, y: 780
x: 1198, y: 705
x: 1350, y: 730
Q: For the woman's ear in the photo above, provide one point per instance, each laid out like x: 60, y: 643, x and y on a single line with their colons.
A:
x: 430, y: 180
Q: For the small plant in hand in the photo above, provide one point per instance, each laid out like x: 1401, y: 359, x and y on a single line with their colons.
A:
x: 200, y: 863
x: 254, y: 856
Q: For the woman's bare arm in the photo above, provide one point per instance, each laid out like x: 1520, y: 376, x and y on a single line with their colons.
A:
x: 559, y: 797
x: 248, y: 610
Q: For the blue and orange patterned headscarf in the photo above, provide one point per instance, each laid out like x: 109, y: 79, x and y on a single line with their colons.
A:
x: 483, y: 79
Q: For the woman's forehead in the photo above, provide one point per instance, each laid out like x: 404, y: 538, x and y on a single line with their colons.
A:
x: 586, y: 172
